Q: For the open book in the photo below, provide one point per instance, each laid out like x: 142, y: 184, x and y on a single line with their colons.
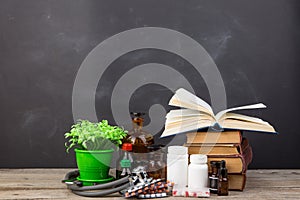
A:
x: 196, y: 114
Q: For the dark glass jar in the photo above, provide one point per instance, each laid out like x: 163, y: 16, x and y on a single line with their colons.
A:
x: 157, y: 167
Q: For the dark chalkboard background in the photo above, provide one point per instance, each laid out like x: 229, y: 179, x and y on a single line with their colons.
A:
x: 255, y: 44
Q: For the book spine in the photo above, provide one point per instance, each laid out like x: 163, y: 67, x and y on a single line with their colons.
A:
x: 247, y: 158
x: 244, y: 183
x: 244, y: 145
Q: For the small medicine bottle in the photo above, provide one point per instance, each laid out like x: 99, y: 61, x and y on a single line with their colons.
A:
x: 124, y: 164
x: 223, y: 180
x: 198, y: 171
x: 177, y: 165
x: 214, y: 176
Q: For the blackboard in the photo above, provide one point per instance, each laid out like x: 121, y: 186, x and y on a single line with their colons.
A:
x: 254, y: 44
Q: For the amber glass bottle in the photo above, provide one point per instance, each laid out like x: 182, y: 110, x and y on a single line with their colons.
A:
x: 223, y: 180
x: 139, y: 138
x: 214, y: 176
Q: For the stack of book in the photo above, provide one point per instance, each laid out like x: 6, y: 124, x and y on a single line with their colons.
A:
x: 217, y: 135
x: 227, y: 145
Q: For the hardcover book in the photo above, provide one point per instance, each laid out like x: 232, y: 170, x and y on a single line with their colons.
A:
x: 236, y: 181
x: 220, y: 149
x: 236, y: 163
x: 224, y: 137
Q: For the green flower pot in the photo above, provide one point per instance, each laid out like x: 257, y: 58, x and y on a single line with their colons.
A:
x: 94, y: 166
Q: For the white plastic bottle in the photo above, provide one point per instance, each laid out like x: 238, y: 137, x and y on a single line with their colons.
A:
x: 177, y: 165
x: 198, y: 171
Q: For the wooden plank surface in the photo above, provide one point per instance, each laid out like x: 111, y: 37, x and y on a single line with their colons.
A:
x: 46, y: 184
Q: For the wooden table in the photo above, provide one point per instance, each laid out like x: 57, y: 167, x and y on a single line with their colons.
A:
x: 46, y: 184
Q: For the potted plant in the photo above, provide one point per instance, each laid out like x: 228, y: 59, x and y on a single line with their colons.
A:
x: 94, y: 144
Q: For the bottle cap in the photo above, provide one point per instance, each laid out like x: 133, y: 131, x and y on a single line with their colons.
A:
x: 178, y: 150
x: 215, y: 163
x: 223, y: 164
x: 223, y: 172
x: 127, y: 147
x: 198, y: 158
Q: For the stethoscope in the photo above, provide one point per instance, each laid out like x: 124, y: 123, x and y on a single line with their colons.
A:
x: 89, y: 191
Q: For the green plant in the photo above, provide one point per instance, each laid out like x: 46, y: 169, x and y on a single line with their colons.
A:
x: 88, y: 135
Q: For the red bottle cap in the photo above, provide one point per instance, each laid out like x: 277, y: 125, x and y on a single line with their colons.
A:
x: 127, y: 147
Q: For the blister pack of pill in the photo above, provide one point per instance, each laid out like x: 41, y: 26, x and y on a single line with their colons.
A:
x: 144, y: 187
x: 187, y: 192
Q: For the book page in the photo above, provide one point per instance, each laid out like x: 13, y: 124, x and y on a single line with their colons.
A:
x: 254, y: 106
x: 180, y: 122
x: 185, y: 99
x: 242, y: 117
x: 182, y: 113
x: 244, y: 125
x: 180, y: 127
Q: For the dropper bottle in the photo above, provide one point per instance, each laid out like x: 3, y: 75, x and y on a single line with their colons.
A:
x: 223, y: 180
